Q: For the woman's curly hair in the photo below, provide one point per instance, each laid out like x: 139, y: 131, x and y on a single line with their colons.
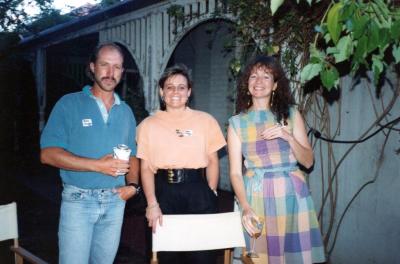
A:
x: 282, y: 98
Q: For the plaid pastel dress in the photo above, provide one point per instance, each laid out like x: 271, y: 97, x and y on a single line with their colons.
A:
x: 277, y: 192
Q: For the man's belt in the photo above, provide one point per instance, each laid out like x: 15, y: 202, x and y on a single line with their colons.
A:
x: 181, y: 175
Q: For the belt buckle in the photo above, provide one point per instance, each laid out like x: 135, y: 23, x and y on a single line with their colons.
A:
x: 171, y: 178
x: 174, y: 176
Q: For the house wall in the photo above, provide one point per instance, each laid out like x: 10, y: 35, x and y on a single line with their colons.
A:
x: 202, y: 50
x: 152, y: 35
x: 369, y: 231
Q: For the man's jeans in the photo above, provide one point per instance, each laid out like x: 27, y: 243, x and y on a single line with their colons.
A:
x: 90, y: 225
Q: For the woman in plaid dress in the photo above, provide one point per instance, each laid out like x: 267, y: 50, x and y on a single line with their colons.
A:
x: 270, y: 134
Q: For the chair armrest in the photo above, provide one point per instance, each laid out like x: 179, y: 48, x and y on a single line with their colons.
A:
x: 28, y: 256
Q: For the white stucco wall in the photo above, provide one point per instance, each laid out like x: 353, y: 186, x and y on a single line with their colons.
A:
x: 369, y: 232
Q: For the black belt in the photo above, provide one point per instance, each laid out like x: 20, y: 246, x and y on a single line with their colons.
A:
x: 181, y: 175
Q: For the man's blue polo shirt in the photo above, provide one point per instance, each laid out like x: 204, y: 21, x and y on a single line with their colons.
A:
x: 76, y: 124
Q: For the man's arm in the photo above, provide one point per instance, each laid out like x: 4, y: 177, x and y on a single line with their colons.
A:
x: 134, y: 167
x: 132, y: 176
x: 60, y: 158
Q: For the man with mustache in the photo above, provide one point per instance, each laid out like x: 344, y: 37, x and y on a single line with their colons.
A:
x: 79, y: 137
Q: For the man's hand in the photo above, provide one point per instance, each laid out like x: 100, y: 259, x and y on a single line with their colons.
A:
x: 111, y: 166
x: 126, y: 192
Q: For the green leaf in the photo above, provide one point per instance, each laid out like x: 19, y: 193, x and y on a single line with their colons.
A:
x: 348, y: 10
x: 310, y: 71
x: 373, y: 34
x: 345, y: 48
x: 314, y: 60
x: 382, y: 12
x: 377, y: 68
x: 359, y: 25
x: 332, y: 50
x: 349, y: 25
x: 329, y: 77
x: 235, y: 66
x: 395, y: 30
x: 384, y: 37
x: 334, y: 23
x: 396, y: 53
x: 316, y: 53
x: 327, y: 38
x: 354, y: 67
x: 275, y: 4
x: 271, y: 49
x: 361, y: 49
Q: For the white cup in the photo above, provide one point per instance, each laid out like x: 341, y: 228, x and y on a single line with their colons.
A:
x: 122, y: 153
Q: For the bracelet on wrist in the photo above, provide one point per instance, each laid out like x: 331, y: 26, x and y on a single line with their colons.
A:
x: 151, y: 206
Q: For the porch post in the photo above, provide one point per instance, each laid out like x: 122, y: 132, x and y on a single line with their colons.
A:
x: 40, y: 79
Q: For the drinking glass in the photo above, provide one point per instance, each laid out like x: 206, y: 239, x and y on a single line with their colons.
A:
x: 259, y: 226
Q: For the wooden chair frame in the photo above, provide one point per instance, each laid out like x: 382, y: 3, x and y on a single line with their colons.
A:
x: 9, y: 230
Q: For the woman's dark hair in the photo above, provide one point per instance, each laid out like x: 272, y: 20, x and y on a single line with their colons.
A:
x: 282, y: 98
x: 176, y: 69
x: 95, y: 54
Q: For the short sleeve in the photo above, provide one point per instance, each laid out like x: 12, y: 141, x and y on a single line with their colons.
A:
x: 54, y: 133
x: 142, y: 141
x: 234, y: 122
x: 216, y: 139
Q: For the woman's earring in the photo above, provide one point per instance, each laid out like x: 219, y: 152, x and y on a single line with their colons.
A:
x: 248, y: 93
x: 272, y: 98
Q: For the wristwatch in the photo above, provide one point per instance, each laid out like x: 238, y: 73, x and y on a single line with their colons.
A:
x: 136, y: 186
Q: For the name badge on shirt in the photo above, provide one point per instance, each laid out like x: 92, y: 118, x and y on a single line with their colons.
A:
x: 184, y: 133
x: 87, y: 122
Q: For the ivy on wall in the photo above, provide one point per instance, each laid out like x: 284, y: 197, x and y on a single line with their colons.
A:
x: 367, y: 34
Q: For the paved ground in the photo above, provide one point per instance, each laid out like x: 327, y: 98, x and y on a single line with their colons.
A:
x: 37, y: 193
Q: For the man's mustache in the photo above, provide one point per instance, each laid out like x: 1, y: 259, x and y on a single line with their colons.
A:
x: 109, y: 78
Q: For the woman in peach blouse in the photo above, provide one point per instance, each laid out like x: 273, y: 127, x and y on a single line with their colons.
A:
x: 179, y: 162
